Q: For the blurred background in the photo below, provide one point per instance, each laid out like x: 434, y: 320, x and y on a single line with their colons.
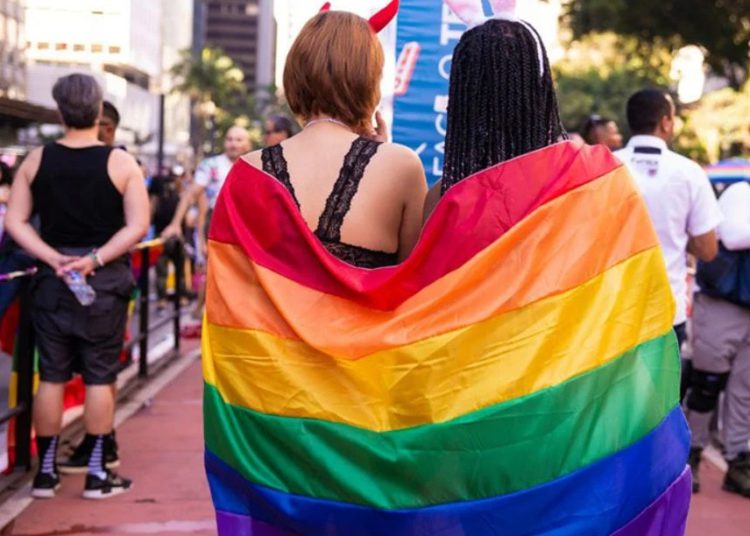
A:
x: 182, y: 71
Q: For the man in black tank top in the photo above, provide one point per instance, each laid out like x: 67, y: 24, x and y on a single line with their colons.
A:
x: 93, y: 207
x: 78, y: 461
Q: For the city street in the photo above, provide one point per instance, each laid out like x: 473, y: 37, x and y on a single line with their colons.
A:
x: 374, y: 267
x: 162, y: 450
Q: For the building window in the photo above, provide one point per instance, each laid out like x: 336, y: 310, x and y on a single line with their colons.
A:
x: 114, y: 50
x: 97, y: 48
x: 78, y: 47
x: 42, y: 46
x: 61, y: 46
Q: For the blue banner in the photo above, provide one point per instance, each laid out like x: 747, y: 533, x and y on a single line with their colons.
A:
x: 427, y: 34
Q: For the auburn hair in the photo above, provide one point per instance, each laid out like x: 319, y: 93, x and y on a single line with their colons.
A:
x: 334, y: 68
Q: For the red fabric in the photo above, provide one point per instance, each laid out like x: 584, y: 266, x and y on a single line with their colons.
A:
x: 153, y: 256
x: 257, y: 213
x: 75, y: 393
x: 9, y: 326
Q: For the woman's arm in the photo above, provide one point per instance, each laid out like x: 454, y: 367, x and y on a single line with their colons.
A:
x: 415, y: 190
x: 431, y: 201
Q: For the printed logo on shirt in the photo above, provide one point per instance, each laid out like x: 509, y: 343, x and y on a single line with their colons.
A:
x: 648, y: 166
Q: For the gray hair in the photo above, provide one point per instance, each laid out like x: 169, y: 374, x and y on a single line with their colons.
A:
x: 79, y: 99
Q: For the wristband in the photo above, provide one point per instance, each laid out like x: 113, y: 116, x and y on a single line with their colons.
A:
x: 94, y: 256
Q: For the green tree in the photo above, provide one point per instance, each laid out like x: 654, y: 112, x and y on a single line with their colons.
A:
x: 721, y: 27
x: 220, y: 97
x: 215, y: 85
x: 600, y: 71
x: 722, y: 121
x: 213, y: 76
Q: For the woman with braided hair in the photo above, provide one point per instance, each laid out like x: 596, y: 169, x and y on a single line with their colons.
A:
x: 502, y: 98
x: 496, y: 381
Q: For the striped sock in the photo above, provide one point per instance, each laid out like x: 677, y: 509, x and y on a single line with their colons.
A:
x: 47, y: 448
x: 96, y: 460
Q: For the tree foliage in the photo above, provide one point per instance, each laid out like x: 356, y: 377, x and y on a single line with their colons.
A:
x: 600, y: 71
x: 722, y: 121
x: 213, y: 76
x: 721, y: 27
x: 215, y: 84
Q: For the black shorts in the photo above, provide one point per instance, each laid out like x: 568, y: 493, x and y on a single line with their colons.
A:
x: 73, y: 338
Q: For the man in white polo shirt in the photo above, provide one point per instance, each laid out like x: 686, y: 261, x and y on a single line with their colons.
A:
x: 677, y: 191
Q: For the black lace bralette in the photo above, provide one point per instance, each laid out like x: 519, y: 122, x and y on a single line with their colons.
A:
x: 338, y: 203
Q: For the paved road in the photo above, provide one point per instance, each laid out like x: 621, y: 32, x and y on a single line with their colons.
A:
x: 162, y: 451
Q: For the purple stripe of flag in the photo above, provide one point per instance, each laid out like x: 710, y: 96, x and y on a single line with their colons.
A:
x: 228, y: 523
x: 667, y: 515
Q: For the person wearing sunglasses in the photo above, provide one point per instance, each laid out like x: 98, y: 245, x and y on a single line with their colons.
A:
x: 277, y: 128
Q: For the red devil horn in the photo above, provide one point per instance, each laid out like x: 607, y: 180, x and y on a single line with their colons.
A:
x: 382, y: 18
x: 326, y: 7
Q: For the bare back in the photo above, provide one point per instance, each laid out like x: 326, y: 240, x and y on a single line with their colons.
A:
x: 385, y: 213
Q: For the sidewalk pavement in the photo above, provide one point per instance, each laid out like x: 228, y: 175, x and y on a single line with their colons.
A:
x: 162, y: 451
x: 161, y: 447
x: 715, y: 512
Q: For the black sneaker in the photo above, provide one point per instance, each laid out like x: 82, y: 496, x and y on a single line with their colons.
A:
x: 78, y: 462
x: 737, y: 479
x: 104, y: 488
x: 695, y: 462
x: 111, y: 455
x: 45, y: 485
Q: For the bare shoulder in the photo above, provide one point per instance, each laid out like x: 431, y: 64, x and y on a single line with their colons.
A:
x: 406, y: 163
x: 122, y: 160
x: 30, y: 164
x: 34, y: 156
x: 399, y: 154
x: 124, y: 170
x: 254, y: 158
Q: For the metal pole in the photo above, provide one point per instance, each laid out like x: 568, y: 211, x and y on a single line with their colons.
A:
x: 179, y: 274
x: 160, y: 148
x: 25, y: 356
x: 143, y: 328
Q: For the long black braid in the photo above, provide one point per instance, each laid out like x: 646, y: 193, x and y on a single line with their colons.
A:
x: 499, y: 105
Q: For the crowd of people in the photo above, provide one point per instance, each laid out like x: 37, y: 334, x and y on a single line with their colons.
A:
x: 79, y: 204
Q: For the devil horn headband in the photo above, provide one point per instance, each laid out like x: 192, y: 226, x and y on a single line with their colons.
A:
x: 379, y: 20
x: 472, y: 13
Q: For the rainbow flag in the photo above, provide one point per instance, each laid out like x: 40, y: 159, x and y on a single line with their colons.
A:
x: 517, y: 375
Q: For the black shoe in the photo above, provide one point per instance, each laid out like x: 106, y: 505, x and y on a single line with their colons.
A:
x: 189, y: 295
x: 695, y: 462
x: 737, y: 479
x: 45, y: 485
x: 111, y: 454
x: 104, y: 488
x: 78, y: 462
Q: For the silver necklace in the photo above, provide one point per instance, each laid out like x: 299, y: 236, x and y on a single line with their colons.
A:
x: 327, y: 120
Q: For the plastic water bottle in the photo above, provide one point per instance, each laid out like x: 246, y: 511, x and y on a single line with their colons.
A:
x: 84, y: 293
